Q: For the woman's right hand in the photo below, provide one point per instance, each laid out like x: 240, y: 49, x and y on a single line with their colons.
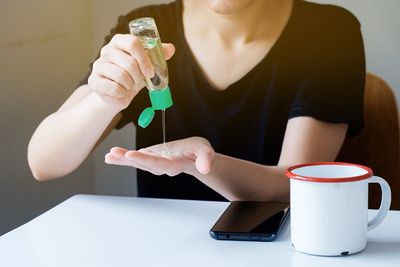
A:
x: 118, y: 74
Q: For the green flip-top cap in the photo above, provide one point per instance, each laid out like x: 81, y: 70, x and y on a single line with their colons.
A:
x: 146, y: 117
x: 160, y: 99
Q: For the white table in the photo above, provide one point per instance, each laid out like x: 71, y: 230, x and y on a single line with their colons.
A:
x: 121, y: 231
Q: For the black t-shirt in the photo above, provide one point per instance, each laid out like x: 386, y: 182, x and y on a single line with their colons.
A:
x: 316, y: 68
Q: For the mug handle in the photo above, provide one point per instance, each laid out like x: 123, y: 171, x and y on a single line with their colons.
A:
x: 385, y: 201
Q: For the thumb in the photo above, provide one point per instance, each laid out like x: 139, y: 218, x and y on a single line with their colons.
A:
x: 169, y: 50
x: 204, y: 159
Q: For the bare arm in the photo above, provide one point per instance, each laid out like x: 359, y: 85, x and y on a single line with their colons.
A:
x: 65, y: 138
x: 306, y: 139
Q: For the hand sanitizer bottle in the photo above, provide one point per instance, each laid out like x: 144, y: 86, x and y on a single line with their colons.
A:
x: 160, y: 95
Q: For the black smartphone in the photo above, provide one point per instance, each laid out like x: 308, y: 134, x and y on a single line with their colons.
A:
x: 251, y: 221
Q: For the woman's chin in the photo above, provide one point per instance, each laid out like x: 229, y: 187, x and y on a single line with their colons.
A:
x: 228, y: 7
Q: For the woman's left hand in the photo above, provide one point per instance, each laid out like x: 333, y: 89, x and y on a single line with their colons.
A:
x: 192, y: 155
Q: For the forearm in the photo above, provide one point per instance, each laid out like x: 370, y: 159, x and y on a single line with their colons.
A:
x: 244, y: 180
x: 65, y: 138
x: 238, y: 179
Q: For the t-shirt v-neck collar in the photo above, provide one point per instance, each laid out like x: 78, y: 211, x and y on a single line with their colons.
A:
x: 251, y: 73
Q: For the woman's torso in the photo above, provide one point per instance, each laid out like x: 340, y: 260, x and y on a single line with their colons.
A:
x: 247, y: 119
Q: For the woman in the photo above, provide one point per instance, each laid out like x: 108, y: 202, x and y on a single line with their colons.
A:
x: 257, y: 85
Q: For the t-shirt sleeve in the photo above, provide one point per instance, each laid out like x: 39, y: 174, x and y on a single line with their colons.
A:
x: 120, y: 27
x: 333, y: 76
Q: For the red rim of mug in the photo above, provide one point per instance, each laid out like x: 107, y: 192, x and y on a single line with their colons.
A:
x: 289, y: 173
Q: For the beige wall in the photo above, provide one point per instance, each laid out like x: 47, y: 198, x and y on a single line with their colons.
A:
x: 44, y: 46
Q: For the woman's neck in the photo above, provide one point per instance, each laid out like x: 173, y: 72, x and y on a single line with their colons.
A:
x: 239, y: 26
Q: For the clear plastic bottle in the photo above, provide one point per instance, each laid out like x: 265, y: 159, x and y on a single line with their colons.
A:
x: 160, y: 95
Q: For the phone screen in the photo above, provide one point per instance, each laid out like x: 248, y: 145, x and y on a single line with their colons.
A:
x: 253, y: 221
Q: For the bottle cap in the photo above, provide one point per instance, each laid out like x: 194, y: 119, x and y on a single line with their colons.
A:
x: 161, y: 99
x: 146, y: 117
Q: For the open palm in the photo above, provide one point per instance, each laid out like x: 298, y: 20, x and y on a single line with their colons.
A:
x: 191, y: 155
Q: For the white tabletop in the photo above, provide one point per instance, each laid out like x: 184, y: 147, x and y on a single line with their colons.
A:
x: 121, y: 231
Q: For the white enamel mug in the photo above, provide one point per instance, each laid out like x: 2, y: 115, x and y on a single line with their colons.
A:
x: 329, y: 207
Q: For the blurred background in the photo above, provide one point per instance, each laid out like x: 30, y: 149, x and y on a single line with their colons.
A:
x: 46, y: 47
